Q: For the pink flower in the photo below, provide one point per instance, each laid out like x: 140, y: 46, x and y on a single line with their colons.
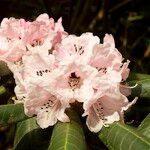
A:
x: 13, y: 28
x: 11, y: 50
x: 105, y: 108
x: 11, y: 34
x: 72, y: 82
x: 43, y: 33
x: 35, y: 81
x: 53, y: 69
x: 106, y: 55
x: 45, y: 105
x: 76, y: 49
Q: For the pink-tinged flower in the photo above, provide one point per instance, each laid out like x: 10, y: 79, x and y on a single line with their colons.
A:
x: 50, y: 23
x: 11, y: 34
x: 106, y: 55
x: 11, y: 50
x: 13, y: 28
x: 76, y: 49
x: 72, y: 82
x: 35, y: 88
x: 45, y: 105
x: 43, y: 33
x: 105, y: 108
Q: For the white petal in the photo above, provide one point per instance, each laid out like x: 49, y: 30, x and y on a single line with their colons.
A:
x: 62, y: 116
x: 129, y: 104
x: 93, y: 122
x: 96, y: 128
x: 112, y: 118
x: 46, y: 119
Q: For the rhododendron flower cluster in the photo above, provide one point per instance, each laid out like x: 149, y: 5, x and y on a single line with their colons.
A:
x: 53, y: 69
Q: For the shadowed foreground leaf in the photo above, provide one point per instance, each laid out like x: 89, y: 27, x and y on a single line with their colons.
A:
x: 142, y: 89
x: 144, y: 127
x: 119, y: 136
x: 68, y: 136
x: 11, y: 113
x: 30, y: 136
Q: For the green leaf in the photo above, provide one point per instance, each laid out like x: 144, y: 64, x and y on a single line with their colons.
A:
x: 30, y: 136
x: 119, y: 136
x: 2, y: 90
x: 23, y: 128
x: 144, y: 127
x: 143, y: 84
x: 68, y: 136
x: 11, y: 113
x: 142, y: 89
x: 138, y: 76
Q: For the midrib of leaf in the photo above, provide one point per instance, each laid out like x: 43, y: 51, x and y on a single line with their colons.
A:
x: 136, y: 135
x: 108, y: 136
x: 66, y: 137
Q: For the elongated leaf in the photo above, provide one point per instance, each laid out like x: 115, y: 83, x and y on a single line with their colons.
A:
x: 144, y: 127
x: 11, y: 113
x: 68, y: 136
x: 142, y: 89
x: 119, y: 136
x: 30, y: 136
x: 23, y: 128
x: 138, y: 76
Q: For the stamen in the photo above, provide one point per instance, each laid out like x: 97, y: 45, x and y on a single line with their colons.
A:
x: 79, y: 50
x: 50, y: 51
x: 74, y: 81
x: 75, y: 48
x: 36, y: 43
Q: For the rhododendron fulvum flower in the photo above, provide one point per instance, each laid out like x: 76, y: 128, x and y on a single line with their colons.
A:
x: 11, y: 35
x: 76, y: 49
x: 11, y: 50
x: 105, y: 108
x: 35, y: 88
x: 53, y: 69
x: 44, y: 33
x: 48, y: 106
x: 109, y: 100
x: 17, y: 36
x: 106, y: 55
x: 73, y: 82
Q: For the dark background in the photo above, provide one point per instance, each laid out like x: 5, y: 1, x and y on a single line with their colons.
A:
x: 127, y: 20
